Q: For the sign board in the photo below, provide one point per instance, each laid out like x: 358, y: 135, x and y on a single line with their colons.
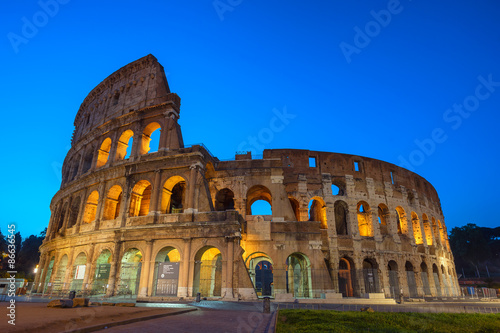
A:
x: 102, y: 272
x: 167, y: 279
x: 80, y: 272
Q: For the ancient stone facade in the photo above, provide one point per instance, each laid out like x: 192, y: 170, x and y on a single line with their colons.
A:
x: 177, y: 221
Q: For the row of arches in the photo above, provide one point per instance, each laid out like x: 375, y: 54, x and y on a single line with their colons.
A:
x: 406, y: 280
x: 147, y: 142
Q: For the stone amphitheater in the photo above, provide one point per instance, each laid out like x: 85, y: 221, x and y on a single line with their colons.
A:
x: 141, y: 214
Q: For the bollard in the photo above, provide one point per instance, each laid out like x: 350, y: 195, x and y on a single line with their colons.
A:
x: 198, y: 297
x: 267, y: 305
x: 72, y: 294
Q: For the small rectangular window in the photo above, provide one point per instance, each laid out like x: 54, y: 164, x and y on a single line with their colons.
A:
x: 356, y: 166
x: 312, y: 162
x: 392, y: 177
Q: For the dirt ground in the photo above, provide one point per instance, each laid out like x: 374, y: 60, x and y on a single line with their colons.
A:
x: 37, y: 317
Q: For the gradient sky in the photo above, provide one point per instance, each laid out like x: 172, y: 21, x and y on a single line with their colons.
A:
x: 353, y: 84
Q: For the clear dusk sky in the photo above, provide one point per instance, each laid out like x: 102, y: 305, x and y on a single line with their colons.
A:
x: 415, y: 83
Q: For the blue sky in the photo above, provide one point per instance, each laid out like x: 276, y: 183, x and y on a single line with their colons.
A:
x: 362, y: 77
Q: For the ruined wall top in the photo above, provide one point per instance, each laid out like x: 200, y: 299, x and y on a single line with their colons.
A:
x: 140, y: 84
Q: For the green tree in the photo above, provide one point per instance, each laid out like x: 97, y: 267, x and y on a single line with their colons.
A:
x: 29, y: 255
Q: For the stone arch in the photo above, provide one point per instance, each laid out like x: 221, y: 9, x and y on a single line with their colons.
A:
x: 89, y: 214
x: 208, y: 272
x: 442, y: 235
x: 317, y: 211
x: 427, y: 230
x: 383, y: 215
x: 112, y: 203
x: 75, y: 163
x: 339, y: 186
x: 260, y: 267
x: 411, y: 279
x: 370, y: 275
x: 341, y: 209
x: 346, y: 277
x: 364, y: 219
x: 255, y: 193
x: 394, y: 286
x: 435, y: 231
x: 62, y: 215
x: 224, y: 200
x: 103, y: 153
x: 424, y: 276
x: 60, y: 273
x: 166, y: 271
x: 130, y: 272
x: 146, y: 137
x: 73, y: 212
x: 402, y: 221
x: 298, y: 277
x: 87, y: 160
x: 79, y: 271
x: 295, y: 207
x: 173, y: 198
x: 417, y: 232
x: 140, y: 198
x: 124, y: 147
x: 102, y: 271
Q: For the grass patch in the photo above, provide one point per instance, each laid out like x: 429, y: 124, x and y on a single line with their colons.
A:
x: 290, y: 321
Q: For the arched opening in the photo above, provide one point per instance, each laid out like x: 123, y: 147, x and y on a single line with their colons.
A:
x: 392, y: 268
x: 341, y: 209
x: 298, y: 277
x: 411, y: 279
x: 140, y: 199
x: 166, y: 273
x: 295, y: 208
x: 91, y: 207
x: 74, y: 168
x: 346, y: 277
x: 435, y: 274
x: 208, y: 272
x: 424, y: 275
x: 101, y: 274
x: 112, y: 203
x: 103, y: 153
x: 62, y: 215
x: 402, y: 223
x: 87, y: 161
x: 73, y: 212
x: 317, y: 211
x: 442, y: 236
x: 260, y: 268
x: 58, y: 283
x: 173, y: 195
x: 262, y: 194
x: 130, y: 272
x: 370, y: 276
x: 364, y: 219
x: 383, y: 214
x: 49, y: 272
x: 335, y: 190
x: 79, y: 271
x: 417, y: 232
x: 427, y: 230
x: 224, y: 200
x: 150, y: 138
x: 124, y: 147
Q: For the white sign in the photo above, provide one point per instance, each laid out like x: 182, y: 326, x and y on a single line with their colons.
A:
x: 80, y: 272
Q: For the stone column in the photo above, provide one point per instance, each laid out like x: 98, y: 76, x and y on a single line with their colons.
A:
x: 353, y: 222
x: 124, y: 205
x: 88, y: 265
x: 229, y: 268
x: 184, y: 269
x: 154, y: 206
x: 113, y: 269
x: 146, y: 267
x: 375, y: 224
x: 42, y: 271
x: 81, y: 210
x: 193, y: 175
x: 69, y: 271
x: 136, y: 144
x: 100, y: 205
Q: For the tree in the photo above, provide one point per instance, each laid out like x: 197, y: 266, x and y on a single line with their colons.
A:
x: 29, y: 255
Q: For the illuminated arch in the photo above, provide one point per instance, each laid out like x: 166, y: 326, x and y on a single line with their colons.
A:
x: 124, y: 144
x: 89, y: 214
x: 103, y: 153
x: 112, y: 203
x: 140, y: 199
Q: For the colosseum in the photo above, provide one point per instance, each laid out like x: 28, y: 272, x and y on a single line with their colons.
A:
x: 168, y: 221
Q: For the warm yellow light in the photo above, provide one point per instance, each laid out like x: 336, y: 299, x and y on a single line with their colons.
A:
x: 36, y: 269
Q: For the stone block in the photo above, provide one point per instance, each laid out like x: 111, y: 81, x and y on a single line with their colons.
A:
x: 60, y: 303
